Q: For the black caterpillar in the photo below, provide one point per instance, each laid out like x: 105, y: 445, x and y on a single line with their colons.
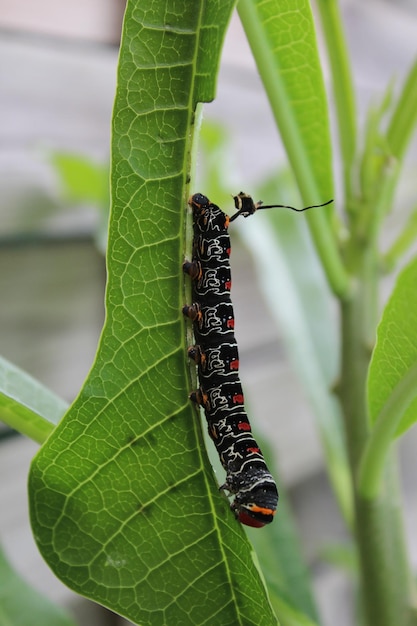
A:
x: 216, y: 355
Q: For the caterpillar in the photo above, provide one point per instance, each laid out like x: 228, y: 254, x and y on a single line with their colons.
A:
x: 216, y: 355
x: 217, y: 358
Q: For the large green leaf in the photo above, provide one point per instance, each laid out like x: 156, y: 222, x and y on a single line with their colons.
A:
x: 124, y: 504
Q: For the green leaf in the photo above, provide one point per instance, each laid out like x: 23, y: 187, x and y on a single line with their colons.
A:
x: 403, y: 121
x: 395, y: 352
x: 398, y: 135
x: 26, y: 405
x: 392, y: 378
x: 124, y: 504
x: 283, y: 42
x: 376, y: 153
x: 378, y: 176
x: 21, y: 605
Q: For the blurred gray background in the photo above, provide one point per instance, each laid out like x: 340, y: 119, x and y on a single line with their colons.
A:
x: 57, y: 81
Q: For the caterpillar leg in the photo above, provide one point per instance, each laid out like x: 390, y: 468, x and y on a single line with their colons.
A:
x: 193, y: 269
x: 193, y: 311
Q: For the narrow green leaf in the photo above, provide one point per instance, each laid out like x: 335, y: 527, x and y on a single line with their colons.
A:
x: 398, y: 135
x: 26, y: 405
x: 286, y: 49
x: 378, y: 173
x: 392, y: 379
x: 403, y: 121
x: 283, y: 42
x: 124, y: 504
x: 20, y: 605
x: 376, y: 153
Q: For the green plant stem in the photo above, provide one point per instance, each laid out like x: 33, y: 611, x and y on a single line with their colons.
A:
x: 282, y: 109
x: 378, y: 527
x: 342, y: 86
